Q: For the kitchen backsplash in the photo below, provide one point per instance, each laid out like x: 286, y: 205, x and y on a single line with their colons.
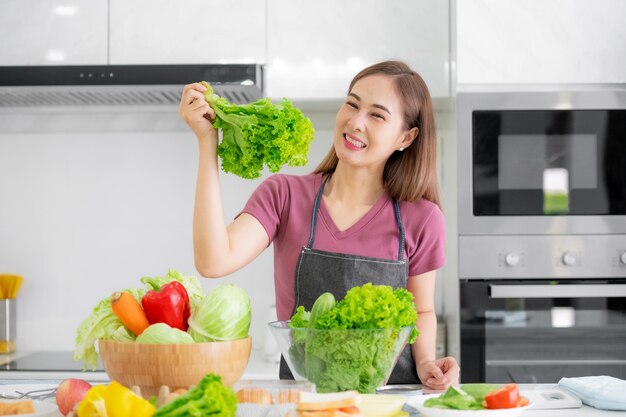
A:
x: 90, y: 202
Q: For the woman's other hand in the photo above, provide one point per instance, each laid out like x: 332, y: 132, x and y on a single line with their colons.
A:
x: 196, y: 111
x: 439, y: 374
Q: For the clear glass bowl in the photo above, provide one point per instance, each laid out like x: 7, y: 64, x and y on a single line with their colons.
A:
x: 339, y: 359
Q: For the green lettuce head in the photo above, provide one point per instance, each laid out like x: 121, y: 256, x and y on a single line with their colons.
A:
x: 260, y: 134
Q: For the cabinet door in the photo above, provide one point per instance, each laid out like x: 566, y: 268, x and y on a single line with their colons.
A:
x: 316, y: 47
x: 558, y: 41
x: 188, y: 32
x: 50, y: 32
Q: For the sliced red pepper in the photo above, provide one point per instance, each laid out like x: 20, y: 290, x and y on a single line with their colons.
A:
x: 350, y: 410
x: 504, y: 397
x: 169, y: 305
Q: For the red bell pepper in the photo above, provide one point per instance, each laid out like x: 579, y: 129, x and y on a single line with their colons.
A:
x: 169, y: 305
x: 503, y: 397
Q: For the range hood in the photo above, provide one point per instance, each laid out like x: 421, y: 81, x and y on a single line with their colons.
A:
x: 123, y: 85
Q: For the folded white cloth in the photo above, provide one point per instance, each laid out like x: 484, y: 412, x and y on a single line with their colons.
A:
x: 603, y: 392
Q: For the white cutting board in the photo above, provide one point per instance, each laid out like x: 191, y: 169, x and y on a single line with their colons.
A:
x: 551, y: 399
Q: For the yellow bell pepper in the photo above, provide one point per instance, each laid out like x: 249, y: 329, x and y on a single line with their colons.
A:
x: 114, y: 400
x: 93, y: 404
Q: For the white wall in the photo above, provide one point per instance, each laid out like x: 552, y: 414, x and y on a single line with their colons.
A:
x: 91, y: 201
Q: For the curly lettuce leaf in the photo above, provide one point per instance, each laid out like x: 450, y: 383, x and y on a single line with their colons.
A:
x: 209, y: 398
x: 372, y: 307
x: 260, y: 134
x: 300, y: 319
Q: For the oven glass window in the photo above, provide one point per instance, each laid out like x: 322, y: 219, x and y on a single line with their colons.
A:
x: 533, y: 346
x: 541, y: 340
x: 552, y: 162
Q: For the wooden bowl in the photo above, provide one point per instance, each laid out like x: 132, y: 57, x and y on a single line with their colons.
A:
x: 177, y: 365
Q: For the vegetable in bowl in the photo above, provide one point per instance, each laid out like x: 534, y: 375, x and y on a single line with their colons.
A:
x: 221, y: 315
x: 224, y: 314
x: 352, y: 344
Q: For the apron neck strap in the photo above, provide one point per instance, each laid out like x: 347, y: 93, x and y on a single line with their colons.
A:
x: 316, y: 204
x: 396, y: 209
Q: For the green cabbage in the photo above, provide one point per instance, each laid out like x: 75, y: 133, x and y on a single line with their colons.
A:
x: 161, y: 333
x: 224, y: 314
x: 260, y: 133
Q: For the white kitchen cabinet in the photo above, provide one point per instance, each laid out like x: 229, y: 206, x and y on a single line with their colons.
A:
x: 189, y: 32
x: 316, y: 47
x: 53, y: 32
x: 534, y: 42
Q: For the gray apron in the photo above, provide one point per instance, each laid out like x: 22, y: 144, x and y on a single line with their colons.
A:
x: 319, y: 271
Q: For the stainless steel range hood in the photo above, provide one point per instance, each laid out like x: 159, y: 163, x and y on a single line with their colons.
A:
x: 123, y: 85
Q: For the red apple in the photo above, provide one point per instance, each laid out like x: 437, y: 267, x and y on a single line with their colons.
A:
x: 70, y: 392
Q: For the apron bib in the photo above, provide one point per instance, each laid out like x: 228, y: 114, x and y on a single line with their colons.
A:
x: 319, y: 271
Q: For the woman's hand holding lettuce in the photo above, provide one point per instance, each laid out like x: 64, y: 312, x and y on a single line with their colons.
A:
x: 223, y: 314
x: 373, y: 316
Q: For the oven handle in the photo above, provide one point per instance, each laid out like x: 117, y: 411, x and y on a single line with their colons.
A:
x: 558, y: 291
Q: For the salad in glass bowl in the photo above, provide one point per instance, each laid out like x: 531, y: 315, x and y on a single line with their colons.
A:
x: 352, y: 344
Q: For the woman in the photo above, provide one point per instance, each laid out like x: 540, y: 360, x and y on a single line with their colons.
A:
x: 368, y: 213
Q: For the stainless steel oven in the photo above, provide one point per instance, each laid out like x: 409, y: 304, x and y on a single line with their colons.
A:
x: 542, y: 233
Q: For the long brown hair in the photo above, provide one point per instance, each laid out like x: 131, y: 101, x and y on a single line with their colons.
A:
x: 411, y: 174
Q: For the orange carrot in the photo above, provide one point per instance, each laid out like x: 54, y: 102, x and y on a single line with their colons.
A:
x: 129, y: 311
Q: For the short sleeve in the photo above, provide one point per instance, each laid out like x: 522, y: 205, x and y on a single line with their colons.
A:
x: 429, y: 253
x: 267, y: 204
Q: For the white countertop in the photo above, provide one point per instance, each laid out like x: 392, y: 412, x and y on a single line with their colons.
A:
x: 584, y: 411
x: 259, y: 368
x: 10, y: 386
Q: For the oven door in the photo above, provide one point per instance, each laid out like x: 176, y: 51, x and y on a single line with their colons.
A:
x: 538, y: 331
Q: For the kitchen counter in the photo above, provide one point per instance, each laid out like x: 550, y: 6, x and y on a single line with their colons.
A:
x: 584, y: 411
x: 10, y: 386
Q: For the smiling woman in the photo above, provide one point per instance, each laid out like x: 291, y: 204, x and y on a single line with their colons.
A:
x: 375, y: 195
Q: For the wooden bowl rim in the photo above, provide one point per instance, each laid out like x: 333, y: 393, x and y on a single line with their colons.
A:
x: 116, y: 342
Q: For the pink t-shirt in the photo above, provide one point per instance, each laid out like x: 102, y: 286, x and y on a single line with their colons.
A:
x: 283, y: 204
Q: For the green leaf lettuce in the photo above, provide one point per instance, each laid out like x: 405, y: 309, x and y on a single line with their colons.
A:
x: 260, y: 133
x: 353, y: 345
